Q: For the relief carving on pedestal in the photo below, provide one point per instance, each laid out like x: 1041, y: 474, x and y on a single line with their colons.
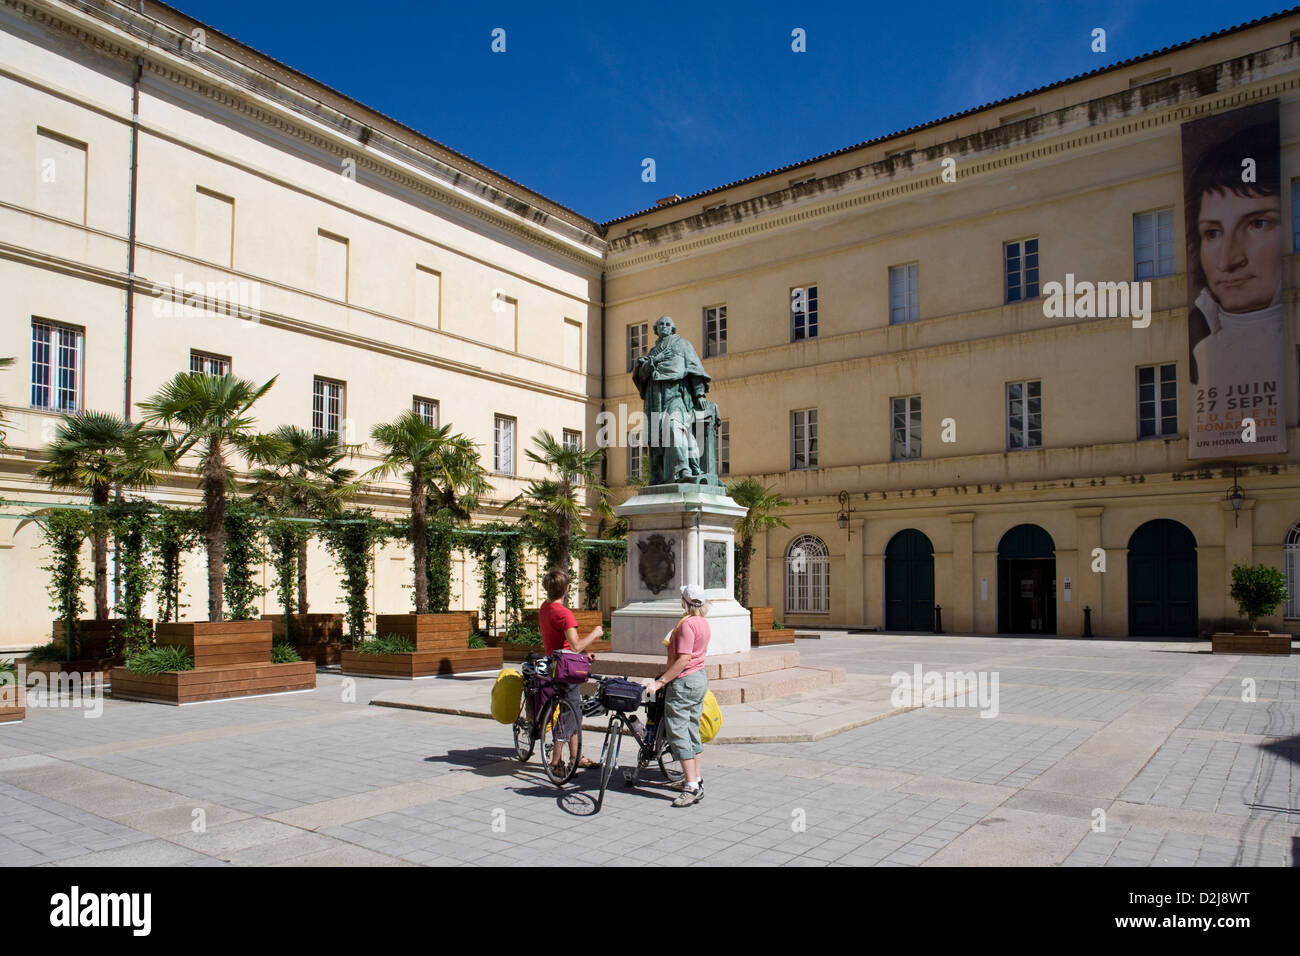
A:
x: 658, y: 564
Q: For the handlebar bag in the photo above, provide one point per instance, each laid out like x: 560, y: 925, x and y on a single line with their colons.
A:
x: 621, y: 695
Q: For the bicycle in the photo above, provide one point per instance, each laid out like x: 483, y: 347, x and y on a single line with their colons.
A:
x: 651, y: 737
x: 544, y: 714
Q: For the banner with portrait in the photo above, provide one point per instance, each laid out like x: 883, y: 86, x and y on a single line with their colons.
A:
x: 1232, y: 202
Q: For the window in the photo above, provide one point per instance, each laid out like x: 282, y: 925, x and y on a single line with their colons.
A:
x: 573, y: 345
x: 56, y: 366
x: 428, y: 297
x: 60, y: 176
x: 906, y: 427
x: 807, y: 576
x: 715, y: 330
x: 1157, y: 400
x: 1022, y: 269
x: 637, y: 346
x: 803, y: 438
x: 904, y: 293
x: 327, y: 407
x: 1153, y: 244
x: 204, y: 363
x: 573, y: 439
x: 214, y: 226
x: 724, y: 447
x: 1291, y: 559
x: 803, y: 313
x: 1024, y: 415
x: 426, y: 408
x: 503, y: 446
x: 332, y: 265
x: 635, y: 457
x: 506, y: 312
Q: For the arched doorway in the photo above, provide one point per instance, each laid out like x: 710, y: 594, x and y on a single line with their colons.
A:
x: 1162, y: 580
x: 807, y: 576
x: 1026, y: 581
x: 909, y: 582
x: 1291, y: 560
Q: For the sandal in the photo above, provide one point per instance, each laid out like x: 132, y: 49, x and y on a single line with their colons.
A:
x: 586, y: 763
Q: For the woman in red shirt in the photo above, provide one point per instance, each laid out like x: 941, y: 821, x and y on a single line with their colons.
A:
x: 560, y: 633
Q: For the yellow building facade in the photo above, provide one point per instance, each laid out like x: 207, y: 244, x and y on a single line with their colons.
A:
x: 940, y: 441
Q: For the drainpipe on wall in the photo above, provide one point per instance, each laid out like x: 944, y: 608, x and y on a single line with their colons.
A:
x: 130, y: 295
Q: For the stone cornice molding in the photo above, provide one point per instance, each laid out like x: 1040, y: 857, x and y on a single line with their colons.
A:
x: 1229, y: 84
x: 278, y: 106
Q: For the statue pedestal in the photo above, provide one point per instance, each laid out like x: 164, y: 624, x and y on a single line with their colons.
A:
x: 679, y: 534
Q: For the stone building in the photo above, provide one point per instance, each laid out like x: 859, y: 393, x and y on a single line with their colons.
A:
x: 876, y: 320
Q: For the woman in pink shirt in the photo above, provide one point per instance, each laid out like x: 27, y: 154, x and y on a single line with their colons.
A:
x: 686, y: 684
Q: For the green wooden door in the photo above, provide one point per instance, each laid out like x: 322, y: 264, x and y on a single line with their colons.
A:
x: 1162, y: 580
x: 909, y: 582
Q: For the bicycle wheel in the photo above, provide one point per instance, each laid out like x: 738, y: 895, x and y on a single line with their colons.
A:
x: 559, y: 717
x: 523, y: 731
x: 669, y: 765
x: 609, y: 756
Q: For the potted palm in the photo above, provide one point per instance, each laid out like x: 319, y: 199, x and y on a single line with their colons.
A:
x: 442, y: 471
x: 304, y: 479
x: 1258, y: 590
x: 96, y: 452
x: 552, y: 512
x: 210, y: 416
x: 761, y: 504
x: 12, y: 706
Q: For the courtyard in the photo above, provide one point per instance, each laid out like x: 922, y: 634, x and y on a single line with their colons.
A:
x: 1100, y: 753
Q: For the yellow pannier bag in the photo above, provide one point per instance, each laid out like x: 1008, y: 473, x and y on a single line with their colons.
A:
x: 710, y: 718
x: 507, y: 693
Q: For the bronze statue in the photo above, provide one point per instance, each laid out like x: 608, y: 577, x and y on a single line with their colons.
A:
x: 673, y: 385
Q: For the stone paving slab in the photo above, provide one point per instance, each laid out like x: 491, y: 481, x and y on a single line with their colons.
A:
x: 1154, y: 736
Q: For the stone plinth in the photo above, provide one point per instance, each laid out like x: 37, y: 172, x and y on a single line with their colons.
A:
x: 679, y: 534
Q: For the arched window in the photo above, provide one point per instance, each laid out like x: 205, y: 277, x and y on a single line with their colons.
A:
x: 807, y: 576
x: 1291, y: 558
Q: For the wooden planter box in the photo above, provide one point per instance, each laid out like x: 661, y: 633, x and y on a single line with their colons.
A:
x: 219, y: 643
x: 586, y: 620
x: 214, y: 683
x: 12, y: 702
x: 96, y: 639
x: 422, y: 663
x: 763, y: 630
x: 318, y: 637
x: 429, y: 632
x: 1250, y: 642
x: 90, y: 670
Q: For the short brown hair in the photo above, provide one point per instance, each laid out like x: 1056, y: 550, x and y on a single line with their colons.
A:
x: 556, y: 583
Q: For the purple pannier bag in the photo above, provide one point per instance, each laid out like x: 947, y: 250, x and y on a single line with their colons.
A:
x: 571, y: 668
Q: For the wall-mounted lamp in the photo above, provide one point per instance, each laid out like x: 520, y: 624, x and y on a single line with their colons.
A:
x: 845, y: 510
x: 1235, y: 497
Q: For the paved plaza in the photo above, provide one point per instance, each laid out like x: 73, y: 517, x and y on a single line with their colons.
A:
x: 1100, y: 753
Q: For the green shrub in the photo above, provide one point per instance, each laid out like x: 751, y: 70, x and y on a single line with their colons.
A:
x: 525, y: 635
x: 1258, y: 590
x: 8, y: 674
x: 476, y: 641
x: 157, y: 660
x: 778, y: 626
x: 284, y: 653
x: 388, y: 644
x: 47, y: 653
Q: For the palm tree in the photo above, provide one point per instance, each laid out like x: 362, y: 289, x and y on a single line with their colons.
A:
x: 210, y: 413
x: 92, y: 452
x: 761, y: 502
x: 304, y: 480
x: 551, y: 505
x: 442, y: 469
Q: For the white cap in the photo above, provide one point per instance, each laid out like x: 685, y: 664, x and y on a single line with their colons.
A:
x: 693, y: 594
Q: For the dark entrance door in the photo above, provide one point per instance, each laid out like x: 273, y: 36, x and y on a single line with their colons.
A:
x: 1027, y: 581
x: 1162, y: 580
x: 909, y: 582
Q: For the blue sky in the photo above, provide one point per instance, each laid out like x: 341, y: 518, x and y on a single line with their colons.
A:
x: 710, y: 90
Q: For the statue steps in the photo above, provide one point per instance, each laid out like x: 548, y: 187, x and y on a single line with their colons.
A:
x: 733, y: 678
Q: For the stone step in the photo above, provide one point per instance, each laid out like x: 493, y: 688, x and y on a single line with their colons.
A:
x: 782, y: 683
x: 722, y: 667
